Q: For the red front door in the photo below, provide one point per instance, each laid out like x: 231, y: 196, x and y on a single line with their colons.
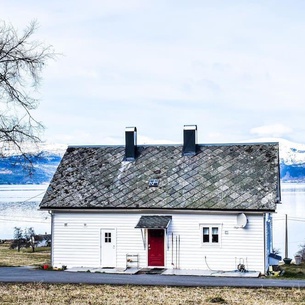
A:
x: 156, y: 248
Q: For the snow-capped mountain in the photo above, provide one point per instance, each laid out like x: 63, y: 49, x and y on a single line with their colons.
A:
x: 30, y: 148
x: 292, y: 159
x: 292, y: 153
x: 46, y: 158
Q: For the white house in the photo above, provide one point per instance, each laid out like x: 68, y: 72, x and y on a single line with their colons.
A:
x: 184, y: 206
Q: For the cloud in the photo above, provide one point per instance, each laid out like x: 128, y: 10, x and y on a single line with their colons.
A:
x: 159, y: 65
x: 275, y: 130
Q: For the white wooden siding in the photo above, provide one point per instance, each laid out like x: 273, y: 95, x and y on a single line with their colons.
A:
x: 245, y: 245
x: 76, y: 240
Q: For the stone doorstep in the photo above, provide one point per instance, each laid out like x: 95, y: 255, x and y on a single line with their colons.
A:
x: 214, y: 273
x: 104, y: 270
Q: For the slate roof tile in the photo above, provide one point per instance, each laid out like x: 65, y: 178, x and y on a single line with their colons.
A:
x: 154, y: 222
x: 226, y: 177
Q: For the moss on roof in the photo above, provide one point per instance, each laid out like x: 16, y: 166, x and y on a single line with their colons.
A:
x: 218, y: 177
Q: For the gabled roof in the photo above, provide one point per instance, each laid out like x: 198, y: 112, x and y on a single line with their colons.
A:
x: 218, y: 177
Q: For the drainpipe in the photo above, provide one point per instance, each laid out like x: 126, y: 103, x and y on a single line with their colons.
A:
x: 52, y: 236
x: 286, y: 237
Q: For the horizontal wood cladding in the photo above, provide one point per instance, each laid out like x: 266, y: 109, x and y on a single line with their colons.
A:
x: 76, y: 240
x: 236, y: 244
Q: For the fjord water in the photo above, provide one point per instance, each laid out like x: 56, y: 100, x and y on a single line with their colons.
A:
x: 19, y: 208
x: 293, y: 205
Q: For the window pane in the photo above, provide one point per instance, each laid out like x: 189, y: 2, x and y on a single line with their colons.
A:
x: 206, y: 237
x: 214, y: 235
x: 205, y: 231
x: 107, y: 237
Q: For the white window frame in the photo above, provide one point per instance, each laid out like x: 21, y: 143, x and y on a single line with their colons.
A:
x: 210, y: 226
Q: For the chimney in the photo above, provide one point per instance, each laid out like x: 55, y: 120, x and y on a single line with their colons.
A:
x: 130, y: 143
x: 189, y: 140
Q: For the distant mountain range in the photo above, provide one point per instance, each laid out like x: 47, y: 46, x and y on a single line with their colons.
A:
x: 46, y: 160
x: 292, y: 161
x: 12, y: 170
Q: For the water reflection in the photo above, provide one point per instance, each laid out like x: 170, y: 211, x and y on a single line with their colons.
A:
x: 19, y: 208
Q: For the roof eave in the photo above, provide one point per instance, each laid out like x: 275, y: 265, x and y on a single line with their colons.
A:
x: 150, y: 210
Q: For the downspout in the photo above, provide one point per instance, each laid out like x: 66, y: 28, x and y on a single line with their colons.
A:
x: 286, y: 237
x: 143, y: 237
x: 52, y: 237
x: 179, y: 252
x: 173, y: 249
x: 176, y: 252
x: 265, y: 243
x: 269, y: 237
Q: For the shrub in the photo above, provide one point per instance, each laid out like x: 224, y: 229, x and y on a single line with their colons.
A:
x: 301, y: 252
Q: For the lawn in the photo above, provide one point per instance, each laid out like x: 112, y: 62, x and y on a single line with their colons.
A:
x: 105, y: 294
x: 40, y: 293
x: 25, y: 257
x: 293, y: 271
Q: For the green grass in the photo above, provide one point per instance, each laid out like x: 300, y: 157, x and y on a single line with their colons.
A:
x: 293, y: 271
x: 13, y: 258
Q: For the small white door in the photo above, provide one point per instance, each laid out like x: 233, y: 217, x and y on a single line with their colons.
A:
x: 108, y: 247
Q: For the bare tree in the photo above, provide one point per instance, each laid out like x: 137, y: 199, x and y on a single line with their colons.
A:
x: 21, y: 62
x: 23, y: 238
x: 29, y: 235
x: 18, y: 239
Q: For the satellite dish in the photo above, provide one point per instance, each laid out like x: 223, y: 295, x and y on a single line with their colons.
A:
x: 242, y: 220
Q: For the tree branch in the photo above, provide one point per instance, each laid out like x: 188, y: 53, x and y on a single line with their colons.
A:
x: 21, y: 63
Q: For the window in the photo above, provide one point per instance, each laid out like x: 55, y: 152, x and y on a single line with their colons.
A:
x: 107, y: 237
x: 215, y: 235
x: 153, y: 182
x: 206, y: 235
x: 210, y: 234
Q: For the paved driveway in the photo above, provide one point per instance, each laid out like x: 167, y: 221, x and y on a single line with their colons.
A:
x: 29, y: 275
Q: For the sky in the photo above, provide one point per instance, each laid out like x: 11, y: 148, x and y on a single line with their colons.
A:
x: 234, y: 68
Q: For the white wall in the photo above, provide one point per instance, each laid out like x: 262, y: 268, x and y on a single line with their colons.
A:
x: 76, y: 240
x: 237, y: 245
